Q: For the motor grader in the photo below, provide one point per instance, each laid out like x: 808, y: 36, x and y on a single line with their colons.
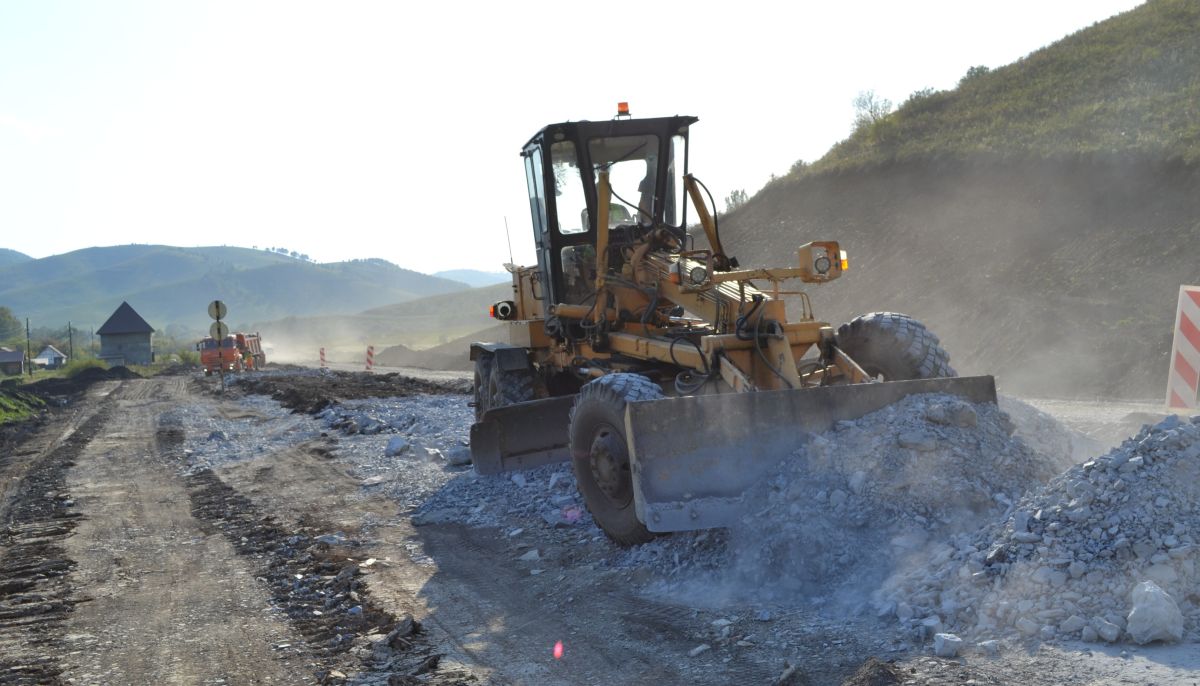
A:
x: 670, y: 376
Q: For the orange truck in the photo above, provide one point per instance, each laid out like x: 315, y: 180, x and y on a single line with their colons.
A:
x: 235, y: 352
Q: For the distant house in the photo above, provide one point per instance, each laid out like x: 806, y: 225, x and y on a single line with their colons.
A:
x: 125, y: 338
x: 50, y: 358
x: 12, y: 361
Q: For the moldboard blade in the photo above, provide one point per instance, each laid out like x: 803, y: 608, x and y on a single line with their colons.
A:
x: 522, y: 436
x: 694, y: 457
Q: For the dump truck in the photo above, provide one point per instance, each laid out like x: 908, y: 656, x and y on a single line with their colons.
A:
x: 670, y: 376
x: 236, y: 352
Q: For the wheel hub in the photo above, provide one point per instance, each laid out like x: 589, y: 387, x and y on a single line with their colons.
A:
x: 610, y: 464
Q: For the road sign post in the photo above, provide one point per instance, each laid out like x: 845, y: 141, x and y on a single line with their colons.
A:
x: 218, y: 330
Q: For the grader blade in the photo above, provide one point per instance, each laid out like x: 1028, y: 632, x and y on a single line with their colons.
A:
x: 693, y: 458
x: 522, y: 436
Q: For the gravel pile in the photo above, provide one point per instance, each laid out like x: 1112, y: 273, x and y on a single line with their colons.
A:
x: 410, y: 447
x: 1072, y: 560
x: 862, y: 500
x: 1048, y: 436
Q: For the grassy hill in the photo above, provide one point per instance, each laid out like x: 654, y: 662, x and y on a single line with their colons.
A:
x: 172, y: 286
x: 12, y: 257
x: 1128, y: 85
x: 1040, y: 218
x: 474, y: 277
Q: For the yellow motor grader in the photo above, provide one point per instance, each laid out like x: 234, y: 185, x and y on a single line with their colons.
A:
x: 671, y: 377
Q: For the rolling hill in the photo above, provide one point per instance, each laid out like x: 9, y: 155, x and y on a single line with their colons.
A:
x: 172, y: 286
x: 474, y: 277
x: 1040, y: 217
x: 12, y: 257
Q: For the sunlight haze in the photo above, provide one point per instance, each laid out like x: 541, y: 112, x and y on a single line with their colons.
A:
x: 379, y: 129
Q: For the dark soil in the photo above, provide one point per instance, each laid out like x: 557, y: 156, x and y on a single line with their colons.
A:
x: 74, y: 385
x: 319, y: 586
x: 35, y: 593
x: 875, y: 672
x: 311, y: 393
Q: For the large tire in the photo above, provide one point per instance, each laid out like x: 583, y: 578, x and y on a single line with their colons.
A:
x: 894, y: 347
x: 483, y: 376
x: 495, y: 387
x: 600, y: 453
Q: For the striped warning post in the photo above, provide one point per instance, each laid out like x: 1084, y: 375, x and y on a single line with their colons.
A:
x: 323, y: 365
x: 370, y: 357
x: 1183, y: 383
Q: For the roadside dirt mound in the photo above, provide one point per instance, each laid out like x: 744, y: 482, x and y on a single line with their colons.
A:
x: 61, y: 386
x: 869, y: 497
x: 1058, y: 276
x: 1066, y: 560
x: 452, y: 356
x: 313, y: 391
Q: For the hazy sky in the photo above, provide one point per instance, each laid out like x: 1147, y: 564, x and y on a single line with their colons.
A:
x: 389, y: 129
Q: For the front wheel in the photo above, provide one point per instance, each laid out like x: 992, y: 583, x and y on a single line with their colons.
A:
x: 890, y: 346
x: 600, y: 453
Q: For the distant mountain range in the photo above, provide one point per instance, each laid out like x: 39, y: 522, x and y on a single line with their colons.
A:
x: 474, y: 277
x: 171, y: 286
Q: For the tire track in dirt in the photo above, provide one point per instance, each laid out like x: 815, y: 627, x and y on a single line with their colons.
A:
x: 607, y: 629
x: 321, y: 591
x: 36, y: 594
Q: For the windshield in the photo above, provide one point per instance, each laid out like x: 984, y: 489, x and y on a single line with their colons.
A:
x: 632, y: 163
x: 208, y: 344
x: 228, y: 342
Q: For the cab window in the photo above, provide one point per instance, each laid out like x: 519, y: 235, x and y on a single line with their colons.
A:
x: 632, y: 164
x: 569, y: 199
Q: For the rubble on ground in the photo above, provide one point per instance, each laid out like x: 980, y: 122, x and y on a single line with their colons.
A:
x: 1103, y: 552
x: 857, y: 502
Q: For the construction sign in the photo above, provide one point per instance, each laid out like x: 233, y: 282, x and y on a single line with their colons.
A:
x: 1183, y: 383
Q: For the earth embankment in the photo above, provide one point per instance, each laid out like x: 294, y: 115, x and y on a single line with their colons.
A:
x: 1059, y: 276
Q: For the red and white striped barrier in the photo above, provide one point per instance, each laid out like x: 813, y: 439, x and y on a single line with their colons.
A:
x: 323, y: 365
x: 1183, y: 383
x: 370, y: 357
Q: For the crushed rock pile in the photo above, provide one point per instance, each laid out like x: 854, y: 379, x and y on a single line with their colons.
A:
x: 1047, y: 435
x: 1072, y: 560
x: 856, y: 502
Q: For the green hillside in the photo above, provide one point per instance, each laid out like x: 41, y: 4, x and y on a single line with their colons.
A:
x: 8, y: 257
x: 172, y: 286
x: 1040, y: 218
x: 1128, y: 85
x: 474, y: 277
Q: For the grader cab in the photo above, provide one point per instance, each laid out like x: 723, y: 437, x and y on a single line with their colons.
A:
x: 669, y: 375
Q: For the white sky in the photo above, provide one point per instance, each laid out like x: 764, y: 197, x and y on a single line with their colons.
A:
x: 389, y: 129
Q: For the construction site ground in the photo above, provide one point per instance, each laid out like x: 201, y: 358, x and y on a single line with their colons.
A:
x: 159, y: 531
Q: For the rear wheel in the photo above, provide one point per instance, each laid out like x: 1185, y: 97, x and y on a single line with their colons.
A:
x: 495, y: 387
x: 600, y: 453
x: 894, y: 347
x: 483, y: 376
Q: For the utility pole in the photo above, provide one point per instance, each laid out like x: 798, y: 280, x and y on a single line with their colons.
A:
x: 28, y: 350
x: 92, y: 341
x: 70, y: 342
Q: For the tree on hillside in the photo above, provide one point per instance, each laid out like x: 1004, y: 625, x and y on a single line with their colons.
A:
x: 10, y: 326
x: 870, y: 109
x: 735, y: 199
x: 973, y: 73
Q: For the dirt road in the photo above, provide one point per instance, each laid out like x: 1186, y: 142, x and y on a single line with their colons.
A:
x: 156, y: 532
